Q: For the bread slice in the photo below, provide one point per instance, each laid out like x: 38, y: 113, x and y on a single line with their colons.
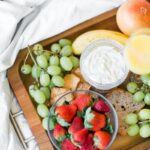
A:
x: 124, y: 104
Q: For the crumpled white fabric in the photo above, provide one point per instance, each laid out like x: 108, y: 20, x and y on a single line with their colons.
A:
x: 24, y: 22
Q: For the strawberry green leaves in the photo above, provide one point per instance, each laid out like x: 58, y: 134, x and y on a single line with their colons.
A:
x: 87, y: 125
x: 82, y: 114
x: 88, y: 117
x: 96, y: 141
x: 108, y: 127
x: 62, y: 122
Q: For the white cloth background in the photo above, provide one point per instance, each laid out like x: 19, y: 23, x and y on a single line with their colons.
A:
x: 24, y: 22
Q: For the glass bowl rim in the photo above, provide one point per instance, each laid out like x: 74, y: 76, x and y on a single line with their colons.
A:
x: 84, y: 54
x: 115, y: 116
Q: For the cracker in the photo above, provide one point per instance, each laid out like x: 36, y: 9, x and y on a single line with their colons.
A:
x: 56, y: 93
x: 71, y: 81
x: 84, y: 86
x: 77, y: 72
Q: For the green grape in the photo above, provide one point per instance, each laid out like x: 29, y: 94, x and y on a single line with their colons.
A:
x: 147, y: 99
x: 138, y: 96
x: 66, y: 51
x: 148, y: 82
x: 26, y: 69
x: 132, y: 87
x: 131, y: 118
x: 44, y: 79
x: 133, y: 130
x: 51, y: 85
x: 47, y: 54
x: 75, y: 61
x: 42, y: 61
x: 56, y: 48
x: 38, y: 49
x: 54, y: 70
x: 36, y: 71
x: 46, y: 92
x: 144, y: 114
x: 145, y: 131
x: 39, y: 97
x: 42, y: 110
x: 52, y: 123
x: 54, y: 60
x: 32, y: 89
x: 64, y: 42
x: 58, y: 81
x: 66, y: 63
x: 45, y: 123
x: 145, y: 78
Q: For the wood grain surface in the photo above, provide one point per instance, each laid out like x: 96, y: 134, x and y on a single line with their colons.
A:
x: 20, y: 83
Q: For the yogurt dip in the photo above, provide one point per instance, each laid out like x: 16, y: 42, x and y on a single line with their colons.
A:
x: 103, y: 64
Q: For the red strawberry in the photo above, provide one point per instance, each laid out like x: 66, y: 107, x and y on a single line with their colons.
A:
x: 77, y: 124
x: 101, y: 139
x: 101, y: 106
x: 66, y: 112
x: 68, y: 145
x: 94, y: 121
x: 98, y: 122
x: 82, y: 101
x: 80, y: 136
x: 59, y: 132
x: 88, y: 143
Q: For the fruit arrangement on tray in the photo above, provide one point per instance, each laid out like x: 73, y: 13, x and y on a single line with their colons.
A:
x: 99, y: 60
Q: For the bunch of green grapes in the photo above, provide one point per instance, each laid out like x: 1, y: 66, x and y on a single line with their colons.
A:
x: 139, y: 123
x: 48, y: 71
x: 141, y: 93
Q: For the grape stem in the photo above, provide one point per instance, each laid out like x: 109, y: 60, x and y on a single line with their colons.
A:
x: 48, y: 51
x: 146, y: 121
x: 26, y: 58
x: 33, y: 58
x: 33, y: 61
x: 31, y: 55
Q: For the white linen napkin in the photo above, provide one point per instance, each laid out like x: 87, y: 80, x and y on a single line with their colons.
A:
x: 24, y: 22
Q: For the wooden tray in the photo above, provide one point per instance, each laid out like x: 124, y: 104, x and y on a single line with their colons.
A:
x: 20, y: 83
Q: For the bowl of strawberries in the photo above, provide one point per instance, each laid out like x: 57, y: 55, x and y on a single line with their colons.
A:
x: 82, y: 120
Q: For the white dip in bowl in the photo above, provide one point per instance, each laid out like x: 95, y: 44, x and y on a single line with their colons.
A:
x: 102, y: 64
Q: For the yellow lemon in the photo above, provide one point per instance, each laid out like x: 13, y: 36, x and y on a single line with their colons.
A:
x: 137, y: 54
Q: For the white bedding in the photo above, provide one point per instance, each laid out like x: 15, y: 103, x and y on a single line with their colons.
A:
x: 24, y: 22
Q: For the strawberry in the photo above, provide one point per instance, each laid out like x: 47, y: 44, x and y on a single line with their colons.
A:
x: 59, y: 132
x: 76, y: 125
x: 88, y: 143
x: 66, y: 112
x: 82, y: 101
x: 101, y: 106
x: 68, y: 145
x: 94, y: 121
x: 101, y: 139
x: 80, y: 136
